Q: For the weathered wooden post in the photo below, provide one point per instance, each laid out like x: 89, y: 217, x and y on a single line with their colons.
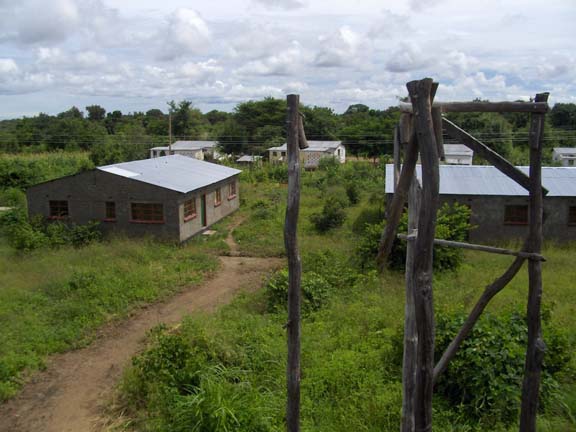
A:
x: 295, y: 140
x: 536, y: 346
x: 421, y: 93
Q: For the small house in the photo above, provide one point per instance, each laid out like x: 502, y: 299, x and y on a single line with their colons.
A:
x: 170, y: 197
x: 499, y: 206
x: 310, y: 157
x: 196, y: 149
x: 249, y: 160
x: 458, y: 154
x: 566, y: 156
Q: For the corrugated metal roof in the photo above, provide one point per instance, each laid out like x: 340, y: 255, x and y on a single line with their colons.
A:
x: 565, y: 150
x: 247, y: 158
x: 313, y: 146
x: 177, y: 173
x: 193, y: 145
x: 487, y: 180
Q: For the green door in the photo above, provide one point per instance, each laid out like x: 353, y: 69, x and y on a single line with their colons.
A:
x: 203, y: 210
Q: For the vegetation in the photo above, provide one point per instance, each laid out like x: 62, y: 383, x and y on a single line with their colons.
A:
x: 227, y: 371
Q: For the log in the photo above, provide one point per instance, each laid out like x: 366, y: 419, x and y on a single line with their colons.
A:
x: 487, y: 153
x: 397, y: 162
x: 405, y: 124
x: 302, y: 141
x: 397, y: 205
x: 478, y: 247
x: 536, y: 346
x: 501, y: 107
x: 419, y: 92
x: 489, y: 292
x: 294, y: 266
x: 410, y: 335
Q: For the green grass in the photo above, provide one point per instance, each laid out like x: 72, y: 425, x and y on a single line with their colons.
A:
x: 226, y: 371
x: 53, y: 300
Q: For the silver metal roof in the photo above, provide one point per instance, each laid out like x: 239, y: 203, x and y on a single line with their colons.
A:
x: 247, y: 158
x: 487, y: 180
x: 189, y: 145
x: 565, y: 150
x: 313, y: 146
x: 177, y: 173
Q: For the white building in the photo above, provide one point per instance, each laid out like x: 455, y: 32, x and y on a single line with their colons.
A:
x: 195, y: 149
x: 310, y: 157
x: 458, y: 154
x: 565, y: 155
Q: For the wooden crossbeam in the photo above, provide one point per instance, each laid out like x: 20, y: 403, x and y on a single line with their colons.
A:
x: 477, y: 247
x: 487, y: 153
x: 519, y: 107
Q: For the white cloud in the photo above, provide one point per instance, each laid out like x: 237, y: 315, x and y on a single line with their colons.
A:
x: 185, y: 33
x: 408, y: 57
x: 340, y: 48
x: 8, y: 67
x: 281, y: 4
x: 286, y: 62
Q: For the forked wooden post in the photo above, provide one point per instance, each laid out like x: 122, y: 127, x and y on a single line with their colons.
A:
x: 420, y: 94
x: 294, y: 123
x: 536, y: 346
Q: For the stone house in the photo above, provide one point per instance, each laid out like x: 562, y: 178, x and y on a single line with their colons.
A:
x: 310, y: 157
x: 170, y: 197
x: 197, y: 149
x: 565, y: 155
x: 499, y: 206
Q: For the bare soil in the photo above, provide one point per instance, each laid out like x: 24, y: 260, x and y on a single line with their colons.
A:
x: 68, y: 396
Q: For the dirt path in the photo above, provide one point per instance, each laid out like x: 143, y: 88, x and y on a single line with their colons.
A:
x: 66, y: 397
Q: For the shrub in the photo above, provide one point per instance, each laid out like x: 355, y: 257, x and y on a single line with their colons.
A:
x: 368, y: 216
x: 315, y: 291
x: 353, y: 193
x: 332, y: 215
x: 485, y: 377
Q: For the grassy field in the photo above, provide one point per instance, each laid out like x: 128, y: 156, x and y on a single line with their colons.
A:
x: 226, y: 371
x: 53, y: 300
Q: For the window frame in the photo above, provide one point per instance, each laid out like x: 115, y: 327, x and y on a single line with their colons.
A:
x: 134, y: 219
x: 58, y: 204
x: 217, y: 197
x: 232, y: 190
x: 190, y: 210
x: 108, y: 217
x: 571, y: 215
x: 514, y: 218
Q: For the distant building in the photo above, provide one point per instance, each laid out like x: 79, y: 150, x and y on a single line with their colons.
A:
x: 458, y: 154
x: 565, y: 155
x: 311, y: 156
x: 196, y: 149
x: 499, y: 206
x: 249, y: 160
x: 171, y: 197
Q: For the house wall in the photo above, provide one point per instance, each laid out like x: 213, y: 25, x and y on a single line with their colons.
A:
x: 487, y: 217
x: 213, y: 213
x: 88, y: 192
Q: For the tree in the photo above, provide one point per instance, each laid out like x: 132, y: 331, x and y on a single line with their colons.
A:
x: 95, y: 112
x: 321, y: 123
x: 72, y: 113
x: 563, y: 115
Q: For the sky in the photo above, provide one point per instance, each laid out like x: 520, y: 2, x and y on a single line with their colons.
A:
x: 135, y: 55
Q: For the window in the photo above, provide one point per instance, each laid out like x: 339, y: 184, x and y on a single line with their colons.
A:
x: 283, y: 154
x: 58, y: 209
x: 110, y: 211
x: 516, y: 215
x: 232, y: 190
x: 217, y: 197
x: 189, y: 209
x: 147, y: 213
x: 572, y: 216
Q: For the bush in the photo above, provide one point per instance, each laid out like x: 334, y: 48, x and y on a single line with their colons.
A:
x: 353, y: 193
x: 368, y: 216
x: 485, y: 377
x: 332, y: 215
x: 315, y: 291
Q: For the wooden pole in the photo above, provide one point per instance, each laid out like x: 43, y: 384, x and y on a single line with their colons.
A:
x: 489, y: 292
x: 410, y: 335
x: 536, y: 346
x: 397, y: 205
x: 437, y: 119
x: 487, y: 153
x: 520, y: 107
x: 420, y: 92
x: 397, y: 162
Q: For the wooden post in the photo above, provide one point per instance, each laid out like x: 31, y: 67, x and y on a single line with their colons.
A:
x: 520, y: 107
x: 410, y: 335
x: 420, y: 93
x: 437, y: 119
x: 294, y: 266
x: 536, y: 346
x: 397, y: 162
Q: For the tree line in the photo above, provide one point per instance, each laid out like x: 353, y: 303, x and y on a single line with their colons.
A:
x: 254, y: 126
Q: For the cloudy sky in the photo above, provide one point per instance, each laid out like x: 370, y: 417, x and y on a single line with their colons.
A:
x: 134, y: 55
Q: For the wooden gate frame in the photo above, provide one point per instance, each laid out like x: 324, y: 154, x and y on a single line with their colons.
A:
x: 420, y: 131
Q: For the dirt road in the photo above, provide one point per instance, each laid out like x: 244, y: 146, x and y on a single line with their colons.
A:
x: 67, y: 396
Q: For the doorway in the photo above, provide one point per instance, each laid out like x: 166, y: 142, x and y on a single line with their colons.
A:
x: 203, y: 210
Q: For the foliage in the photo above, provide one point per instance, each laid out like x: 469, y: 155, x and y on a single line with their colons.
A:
x: 315, y: 291
x: 332, y: 215
x: 485, y: 377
